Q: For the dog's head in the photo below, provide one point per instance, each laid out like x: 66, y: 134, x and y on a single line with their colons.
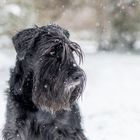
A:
x: 48, y: 53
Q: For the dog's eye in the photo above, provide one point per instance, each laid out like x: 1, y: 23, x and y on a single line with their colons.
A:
x: 52, y: 53
x: 59, y: 59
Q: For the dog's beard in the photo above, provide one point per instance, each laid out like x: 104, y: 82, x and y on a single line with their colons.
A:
x: 48, y: 101
x: 58, y: 94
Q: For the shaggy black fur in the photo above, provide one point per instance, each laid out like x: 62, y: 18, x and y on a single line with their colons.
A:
x: 44, y: 87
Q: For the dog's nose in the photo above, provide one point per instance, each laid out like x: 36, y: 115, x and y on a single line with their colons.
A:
x: 77, y: 76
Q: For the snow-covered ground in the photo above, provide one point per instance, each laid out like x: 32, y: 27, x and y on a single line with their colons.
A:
x: 110, y: 105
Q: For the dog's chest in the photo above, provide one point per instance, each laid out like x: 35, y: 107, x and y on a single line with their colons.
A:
x: 44, y: 123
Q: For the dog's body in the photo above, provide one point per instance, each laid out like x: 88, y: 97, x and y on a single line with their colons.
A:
x: 44, y: 87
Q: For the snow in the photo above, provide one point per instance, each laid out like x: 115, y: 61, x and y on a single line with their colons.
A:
x: 14, y: 9
x: 6, y: 61
x: 2, y: 3
x: 45, y: 86
x: 88, y: 47
x: 110, y: 104
x: 5, y: 41
x: 137, y: 45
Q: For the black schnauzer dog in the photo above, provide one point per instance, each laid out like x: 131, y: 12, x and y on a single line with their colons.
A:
x: 44, y: 87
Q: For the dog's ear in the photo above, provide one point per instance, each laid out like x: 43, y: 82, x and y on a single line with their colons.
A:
x: 23, y: 41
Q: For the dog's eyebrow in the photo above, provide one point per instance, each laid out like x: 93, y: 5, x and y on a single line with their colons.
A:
x: 76, y: 48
